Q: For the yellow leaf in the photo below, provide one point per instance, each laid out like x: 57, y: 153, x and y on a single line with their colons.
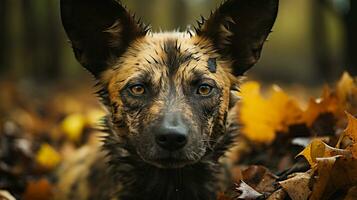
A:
x: 73, y: 126
x: 286, y: 110
x: 254, y: 115
x: 48, y: 157
x: 318, y: 149
x: 262, y: 117
x: 351, y: 133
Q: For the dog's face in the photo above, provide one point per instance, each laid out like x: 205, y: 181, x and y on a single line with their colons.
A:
x: 169, y: 93
x: 170, y: 90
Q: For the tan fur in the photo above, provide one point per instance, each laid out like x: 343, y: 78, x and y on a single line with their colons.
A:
x: 150, y: 48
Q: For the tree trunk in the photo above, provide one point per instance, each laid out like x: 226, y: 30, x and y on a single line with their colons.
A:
x: 179, y: 14
x: 52, y: 41
x: 322, y: 54
x: 351, y: 39
x: 3, y: 34
x: 31, y: 62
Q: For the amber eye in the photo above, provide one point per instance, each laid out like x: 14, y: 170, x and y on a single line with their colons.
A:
x: 137, y: 90
x: 204, y: 90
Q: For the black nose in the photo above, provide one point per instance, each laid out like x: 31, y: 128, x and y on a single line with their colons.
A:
x: 171, y: 141
x: 172, y: 135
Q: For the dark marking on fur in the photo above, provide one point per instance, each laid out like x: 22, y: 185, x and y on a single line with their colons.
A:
x: 174, y: 58
x: 212, y: 65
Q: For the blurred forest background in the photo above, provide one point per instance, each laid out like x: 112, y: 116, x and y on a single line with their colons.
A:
x: 313, y: 40
x: 48, y: 111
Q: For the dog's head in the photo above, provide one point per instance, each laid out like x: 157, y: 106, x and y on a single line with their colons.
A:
x: 169, y: 92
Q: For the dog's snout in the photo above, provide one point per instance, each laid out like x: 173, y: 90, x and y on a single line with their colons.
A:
x: 173, y: 133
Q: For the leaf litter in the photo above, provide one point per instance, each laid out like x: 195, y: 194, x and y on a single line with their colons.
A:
x: 285, y: 150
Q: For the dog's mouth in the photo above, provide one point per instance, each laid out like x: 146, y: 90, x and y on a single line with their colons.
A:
x: 171, y: 162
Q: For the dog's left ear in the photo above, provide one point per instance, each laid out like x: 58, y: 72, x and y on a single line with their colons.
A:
x: 99, y: 30
x: 239, y: 28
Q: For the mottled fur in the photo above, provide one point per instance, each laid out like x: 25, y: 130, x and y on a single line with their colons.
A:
x: 169, y: 67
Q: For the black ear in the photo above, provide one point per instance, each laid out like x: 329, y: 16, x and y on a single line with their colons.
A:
x: 99, y: 31
x: 239, y: 28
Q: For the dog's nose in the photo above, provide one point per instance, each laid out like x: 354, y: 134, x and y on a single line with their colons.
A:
x: 172, y: 135
x: 171, y: 141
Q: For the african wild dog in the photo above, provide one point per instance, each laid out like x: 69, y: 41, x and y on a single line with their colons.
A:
x: 168, y: 95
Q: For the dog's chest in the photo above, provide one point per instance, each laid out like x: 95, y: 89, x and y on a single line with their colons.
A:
x: 87, y: 177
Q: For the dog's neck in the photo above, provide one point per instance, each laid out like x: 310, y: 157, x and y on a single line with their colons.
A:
x: 146, y: 182
x: 135, y: 179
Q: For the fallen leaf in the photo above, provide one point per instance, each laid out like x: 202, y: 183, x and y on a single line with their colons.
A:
x: 287, y: 110
x: 346, y: 90
x: 47, y: 157
x: 297, y: 186
x: 278, y: 195
x: 328, y: 103
x: 256, y: 126
x: 73, y: 126
x: 222, y: 196
x: 318, y: 149
x: 345, y: 86
x: 5, y: 195
x: 333, y: 174
x: 39, y: 190
x: 247, y: 192
x: 281, y: 112
x: 352, y: 194
x: 351, y: 133
x: 351, y: 130
x: 260, y: 178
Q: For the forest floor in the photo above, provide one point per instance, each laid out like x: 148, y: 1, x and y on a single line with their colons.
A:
x: 290, y: 147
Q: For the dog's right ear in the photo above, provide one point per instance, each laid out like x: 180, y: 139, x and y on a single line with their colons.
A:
x: 99, y: 30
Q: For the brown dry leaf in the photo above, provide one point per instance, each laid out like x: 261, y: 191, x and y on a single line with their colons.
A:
x: 336, y: 168
x: 319, y: 149
x: 334, y: 173
x: 324, y: 166
x: 39, y: 190
x: 260, y: 178
x: 247, y: 192
x: 352, y: 194
x: 351, y: 130
x: 328, y: 103
x: 222, y: 196
x: 297, y: 186
x: 278, y: 195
